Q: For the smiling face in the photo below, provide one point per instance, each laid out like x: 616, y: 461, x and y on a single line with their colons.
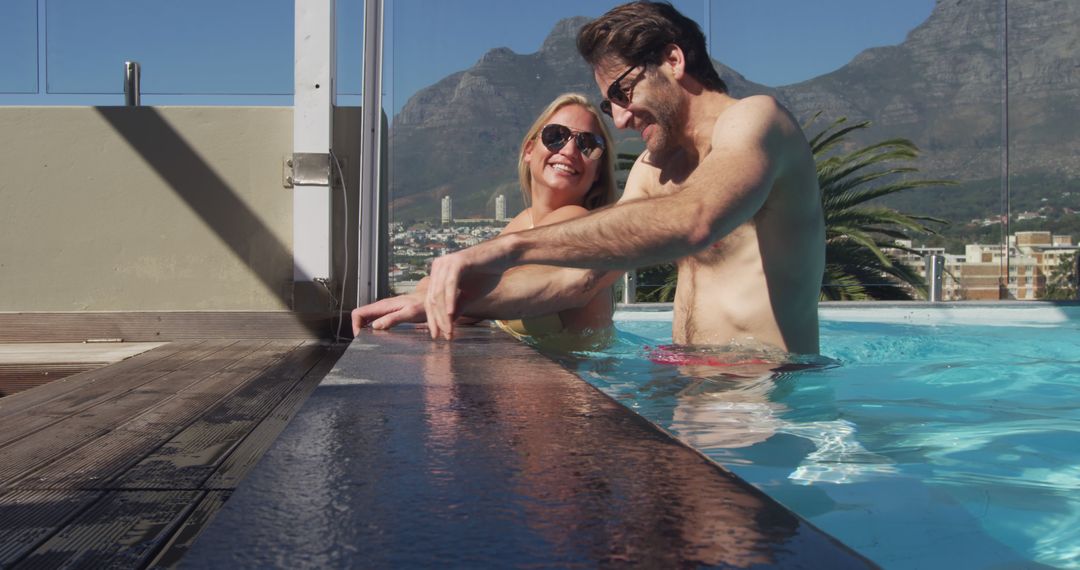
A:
x: 654, y: 107
x: 564, y: 175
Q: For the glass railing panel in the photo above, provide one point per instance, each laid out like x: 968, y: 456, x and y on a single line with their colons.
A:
x: 193, y: 47
x: 1044, y: 181
x: 930, y: 73
x: 191, y: 53
x: 18, y: 47
x: 349, y: 15
x: 927, y: 72
x: 463, y: 82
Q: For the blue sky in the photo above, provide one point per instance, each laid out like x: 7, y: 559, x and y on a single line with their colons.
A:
x: 240, y: 51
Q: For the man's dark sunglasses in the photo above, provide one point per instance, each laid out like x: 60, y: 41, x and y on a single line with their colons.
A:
x: 616, y: 94
x: 555, y: 136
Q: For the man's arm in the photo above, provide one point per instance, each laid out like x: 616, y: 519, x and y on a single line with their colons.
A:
x: 533, y: 290
x: 729, y: 185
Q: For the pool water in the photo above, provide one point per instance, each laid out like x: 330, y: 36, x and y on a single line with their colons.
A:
x: 920, y: 446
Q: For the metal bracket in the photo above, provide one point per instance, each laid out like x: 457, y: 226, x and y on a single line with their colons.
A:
x: 286, y: 172
x: 306, y: 169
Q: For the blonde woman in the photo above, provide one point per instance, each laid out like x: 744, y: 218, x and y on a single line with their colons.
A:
x: 566, y: 168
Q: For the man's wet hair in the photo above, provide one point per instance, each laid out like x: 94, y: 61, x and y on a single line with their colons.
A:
x: 636, y: 33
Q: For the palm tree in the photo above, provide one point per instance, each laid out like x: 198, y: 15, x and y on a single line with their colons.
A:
x: 861, y: 253
x: 1061, y: 283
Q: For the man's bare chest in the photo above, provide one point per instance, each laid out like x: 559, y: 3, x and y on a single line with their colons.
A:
x: 659, y: 189
x: 739, y: 246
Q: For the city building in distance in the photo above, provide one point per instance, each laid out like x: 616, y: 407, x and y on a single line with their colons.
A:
x: 977, y: 275
x: 447, y: 216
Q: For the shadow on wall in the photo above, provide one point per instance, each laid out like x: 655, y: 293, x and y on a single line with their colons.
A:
x: 206, y: 193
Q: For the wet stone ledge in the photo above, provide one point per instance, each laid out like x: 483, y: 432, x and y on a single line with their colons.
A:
x: 484, y: 453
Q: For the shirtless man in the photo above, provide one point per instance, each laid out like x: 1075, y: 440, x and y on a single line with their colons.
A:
x: 726, y: 187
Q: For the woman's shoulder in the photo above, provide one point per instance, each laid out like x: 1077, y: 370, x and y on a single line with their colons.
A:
x: 562, y: 214
x: 521, y: 222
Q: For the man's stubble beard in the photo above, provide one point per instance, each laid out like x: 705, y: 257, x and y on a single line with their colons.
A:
x: 668, y: 114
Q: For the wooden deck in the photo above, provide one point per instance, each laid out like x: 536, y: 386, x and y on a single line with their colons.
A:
x: 123, y: 465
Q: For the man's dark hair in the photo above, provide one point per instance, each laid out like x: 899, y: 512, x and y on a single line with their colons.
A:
x: 637, y: 33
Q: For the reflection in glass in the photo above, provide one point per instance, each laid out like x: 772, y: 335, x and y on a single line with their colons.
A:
x: 593, y: 489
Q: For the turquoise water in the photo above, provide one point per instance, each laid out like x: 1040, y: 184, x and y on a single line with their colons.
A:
x: 921, y: 446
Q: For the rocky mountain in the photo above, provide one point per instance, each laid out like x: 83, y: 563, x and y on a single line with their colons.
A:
x: 942, y: 87
x: 460, y: 136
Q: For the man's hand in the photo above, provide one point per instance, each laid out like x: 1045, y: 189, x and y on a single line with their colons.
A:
x: 389, y: 312
x: 475, y: 271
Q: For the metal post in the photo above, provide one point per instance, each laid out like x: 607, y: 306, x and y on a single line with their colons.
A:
x: 935, y: 271
x: 630, y: 287
x: 132, y: 87
x: 367, y: 289
x: 1006, y: 191
x: 313, y: 135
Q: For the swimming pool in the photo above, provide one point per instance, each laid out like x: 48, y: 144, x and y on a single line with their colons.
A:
x: 939, y: 438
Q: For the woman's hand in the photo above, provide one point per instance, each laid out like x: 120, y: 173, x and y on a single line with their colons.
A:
x: 386, y: 313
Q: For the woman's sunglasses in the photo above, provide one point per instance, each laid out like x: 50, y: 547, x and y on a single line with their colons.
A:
x: 556, y: 136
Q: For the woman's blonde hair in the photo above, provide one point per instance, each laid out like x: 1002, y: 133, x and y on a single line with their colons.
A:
x: 602, y: 191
